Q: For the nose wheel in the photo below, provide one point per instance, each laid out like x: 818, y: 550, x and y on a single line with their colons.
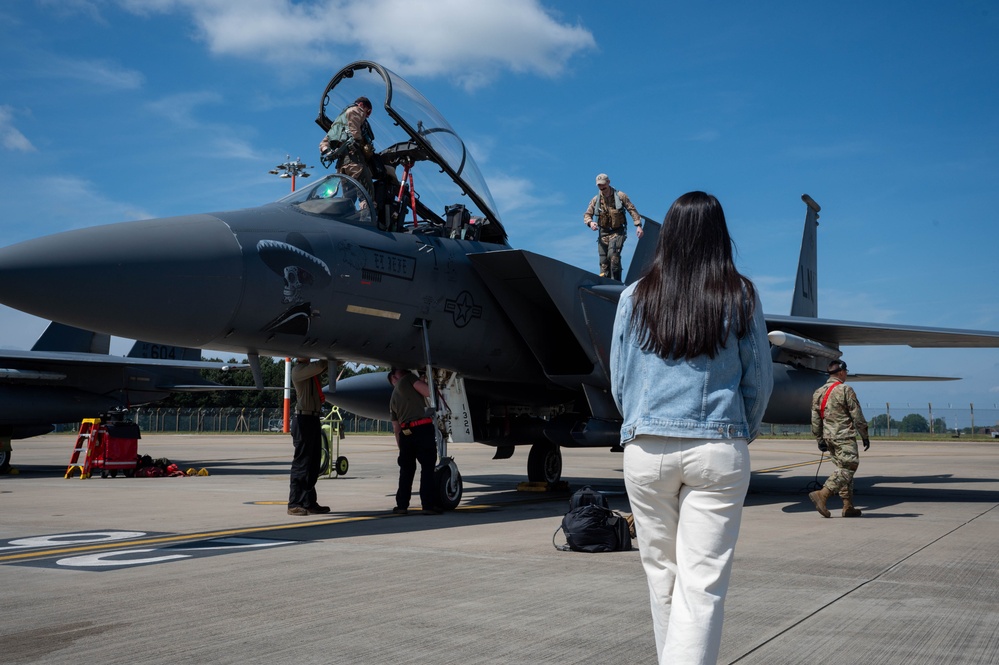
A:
x: 449, y: 486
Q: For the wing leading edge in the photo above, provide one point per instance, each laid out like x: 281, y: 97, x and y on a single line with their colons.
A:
x: 853, y: 333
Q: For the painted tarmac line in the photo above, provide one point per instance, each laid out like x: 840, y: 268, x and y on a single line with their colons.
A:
x: 204, y: 535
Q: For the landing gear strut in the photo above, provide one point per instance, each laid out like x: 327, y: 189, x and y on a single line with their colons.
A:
x: 448, y: 480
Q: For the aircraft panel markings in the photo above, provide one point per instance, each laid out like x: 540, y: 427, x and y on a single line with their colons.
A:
x: 389, y: 263
x: 371, y: 311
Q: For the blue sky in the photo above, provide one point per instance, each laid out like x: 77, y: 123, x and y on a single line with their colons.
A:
x: 885, y: 113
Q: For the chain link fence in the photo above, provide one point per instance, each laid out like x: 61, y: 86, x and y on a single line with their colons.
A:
x: 233, y: 421
x: 907, y: 420
x: 886, y: 420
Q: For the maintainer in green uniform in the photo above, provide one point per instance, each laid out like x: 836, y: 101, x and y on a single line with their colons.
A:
x: 836, y: 421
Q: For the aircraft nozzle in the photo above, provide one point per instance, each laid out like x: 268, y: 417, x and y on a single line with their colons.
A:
x: 175, y: 279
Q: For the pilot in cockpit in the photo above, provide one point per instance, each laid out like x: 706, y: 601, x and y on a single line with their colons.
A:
x: 351, y: 129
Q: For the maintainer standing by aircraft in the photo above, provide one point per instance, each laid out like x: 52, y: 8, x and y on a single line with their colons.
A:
x: 307, y: 435
x: 837, y: 419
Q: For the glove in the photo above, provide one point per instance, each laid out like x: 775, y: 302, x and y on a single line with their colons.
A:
x: 822, y: 446
x: 867, y: 444
x: 369, y: 150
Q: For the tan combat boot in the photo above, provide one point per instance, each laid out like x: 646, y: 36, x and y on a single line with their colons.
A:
x: 849, y: 510
x: 819, y: 498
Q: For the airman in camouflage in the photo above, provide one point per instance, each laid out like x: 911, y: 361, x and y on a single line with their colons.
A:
x: 606, y: 212
x: 836, y: 421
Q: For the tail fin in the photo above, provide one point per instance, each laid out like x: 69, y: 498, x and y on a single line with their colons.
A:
x: 644, y: 250
x: 60, y: 337
x: 806, y: 284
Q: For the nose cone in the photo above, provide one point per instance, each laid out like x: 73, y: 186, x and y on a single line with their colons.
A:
x: 176, y: 280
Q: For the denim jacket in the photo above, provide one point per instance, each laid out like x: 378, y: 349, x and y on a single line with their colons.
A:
x: 705, y: 398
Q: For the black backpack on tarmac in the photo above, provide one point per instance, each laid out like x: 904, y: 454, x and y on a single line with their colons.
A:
x: 591, y: 526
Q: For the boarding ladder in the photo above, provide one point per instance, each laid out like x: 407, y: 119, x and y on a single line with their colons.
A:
x: 86, y: 442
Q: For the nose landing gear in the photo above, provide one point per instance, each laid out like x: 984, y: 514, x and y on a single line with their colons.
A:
x: 448, y: 479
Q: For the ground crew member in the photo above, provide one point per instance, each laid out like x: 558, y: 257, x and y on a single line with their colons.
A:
x: 836, y: 422
x: 416, y: 437
x: 606, y: 213
x: 307, y: 435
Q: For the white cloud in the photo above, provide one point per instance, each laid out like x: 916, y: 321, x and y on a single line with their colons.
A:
x: 705, y: 136
x: 234, y: 148
x: 180, y: 108
x: 72, y: 8
x: 10, y: 137
x: 71, y: 202
x: 513, y: 194
x: 102, y: 73
x: 471, y: 42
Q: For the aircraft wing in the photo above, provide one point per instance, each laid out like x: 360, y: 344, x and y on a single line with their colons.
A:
x: 14, y: 359
x: 900, y: 377
x: 209, y: 387
x: 852, y: 333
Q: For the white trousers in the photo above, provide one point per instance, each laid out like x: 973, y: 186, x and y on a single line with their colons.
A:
x: 687, y: 496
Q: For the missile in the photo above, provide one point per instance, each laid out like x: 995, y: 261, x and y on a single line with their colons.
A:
x: 800, y: 344
x: 30, y: 375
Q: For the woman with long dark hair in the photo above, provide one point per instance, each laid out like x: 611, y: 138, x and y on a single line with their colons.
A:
x: 691, y: 374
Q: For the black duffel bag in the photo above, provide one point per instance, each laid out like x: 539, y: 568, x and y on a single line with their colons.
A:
x: 594, y: 528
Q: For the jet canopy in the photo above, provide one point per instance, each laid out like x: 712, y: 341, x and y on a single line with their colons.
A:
x: 411, y: 131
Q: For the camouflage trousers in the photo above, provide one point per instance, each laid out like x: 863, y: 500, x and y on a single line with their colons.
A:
x: 609, y: 246
x: 354, y: 165
x: 844, y: 455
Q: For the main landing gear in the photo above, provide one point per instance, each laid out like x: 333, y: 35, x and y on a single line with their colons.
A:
x: 544, y: 463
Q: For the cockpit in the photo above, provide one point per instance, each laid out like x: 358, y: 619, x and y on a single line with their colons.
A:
x: 423, y: 180
x: 337, y: 196
x: 343, y: 199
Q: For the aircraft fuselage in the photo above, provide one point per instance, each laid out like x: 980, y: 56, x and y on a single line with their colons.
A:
x: 274, y: 281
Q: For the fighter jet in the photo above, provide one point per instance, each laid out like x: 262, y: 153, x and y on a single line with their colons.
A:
x: 417, y: 272
x: 69, y: 375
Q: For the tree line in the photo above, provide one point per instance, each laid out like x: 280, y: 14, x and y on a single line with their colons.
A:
x: 272, y: 370
x: 912, y: 423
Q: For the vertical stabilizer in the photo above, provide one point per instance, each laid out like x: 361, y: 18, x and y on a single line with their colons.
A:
x: 644, y: 250
x: 60, y: 337
x: 806, y: 284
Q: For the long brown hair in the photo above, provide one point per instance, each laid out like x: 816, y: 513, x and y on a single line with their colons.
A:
x: 692, y: 295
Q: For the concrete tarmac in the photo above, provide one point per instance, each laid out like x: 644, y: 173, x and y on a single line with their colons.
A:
x: 212, y: 569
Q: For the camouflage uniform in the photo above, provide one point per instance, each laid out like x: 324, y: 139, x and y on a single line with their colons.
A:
x: 839, y: 429
x: 354, y: 162
x: 613, y: 229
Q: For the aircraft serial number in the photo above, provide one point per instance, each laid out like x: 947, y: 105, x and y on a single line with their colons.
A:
x: 159, y: 351
x: 388, y: 263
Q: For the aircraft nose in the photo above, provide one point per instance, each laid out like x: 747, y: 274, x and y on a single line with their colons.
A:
x: 138, y: 279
